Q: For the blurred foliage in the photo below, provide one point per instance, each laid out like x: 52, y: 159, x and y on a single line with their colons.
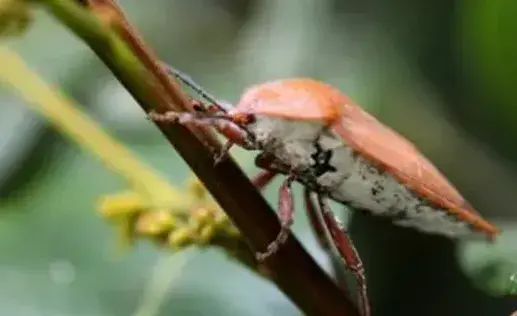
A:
x: 439, y: 72
x: 15, y: 17
x: 492, y: 268
x: 490, y: 67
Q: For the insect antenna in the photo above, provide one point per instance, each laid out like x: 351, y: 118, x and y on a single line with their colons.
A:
x: 187, y: 80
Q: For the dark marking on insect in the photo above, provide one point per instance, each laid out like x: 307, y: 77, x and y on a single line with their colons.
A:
x: 420, y: 207
x: 398, y: 199
x: 380, y: 200
x: 377, y: 188
x: 397, y: 214
x: 372, y: 169
x: 322, y: 161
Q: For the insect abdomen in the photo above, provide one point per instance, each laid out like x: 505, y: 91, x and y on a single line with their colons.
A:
x: 369, y: 188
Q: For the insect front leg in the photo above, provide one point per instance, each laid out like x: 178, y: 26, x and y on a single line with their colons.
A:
x: 222, y: 123
x: 347, y: 251
x: 286, y: 215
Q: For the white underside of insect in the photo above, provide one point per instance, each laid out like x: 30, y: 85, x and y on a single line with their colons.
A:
x: 350, y: 178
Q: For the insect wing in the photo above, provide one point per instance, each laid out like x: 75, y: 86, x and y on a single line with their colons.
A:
x: 301, y: 99
x: 392, y: 152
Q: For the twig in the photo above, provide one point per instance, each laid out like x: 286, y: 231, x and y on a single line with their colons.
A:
x: 292, y: 268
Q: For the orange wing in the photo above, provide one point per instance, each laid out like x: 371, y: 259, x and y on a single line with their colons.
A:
x: 299, y: 98
x: 382, y: 145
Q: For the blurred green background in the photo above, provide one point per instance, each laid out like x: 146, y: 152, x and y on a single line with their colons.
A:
x: 440, y: 72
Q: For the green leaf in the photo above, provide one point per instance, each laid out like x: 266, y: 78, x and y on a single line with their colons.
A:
x: 493, y: 267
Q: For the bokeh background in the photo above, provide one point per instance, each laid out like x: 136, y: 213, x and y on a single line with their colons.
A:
x: 440, y: 72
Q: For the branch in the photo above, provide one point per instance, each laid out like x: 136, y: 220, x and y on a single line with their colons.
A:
x: 292, y: 268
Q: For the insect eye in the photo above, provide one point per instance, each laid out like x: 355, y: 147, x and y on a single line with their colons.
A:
x: 250, y: 119
x: 244, y: 119
x: 197, y: 106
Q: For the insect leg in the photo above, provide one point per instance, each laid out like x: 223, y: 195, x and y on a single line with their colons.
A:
x: 263, y: 179
x: 347, y: 251
x: 312, y: 214
x: 222, y: 124
x: 201, y: 109
x: 286, y: 215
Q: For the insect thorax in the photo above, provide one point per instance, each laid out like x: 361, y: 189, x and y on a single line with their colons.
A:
x: 305, y: 147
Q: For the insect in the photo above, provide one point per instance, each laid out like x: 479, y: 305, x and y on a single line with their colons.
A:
x: 319, y: 137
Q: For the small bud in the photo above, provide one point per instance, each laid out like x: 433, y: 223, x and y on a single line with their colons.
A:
x: 206, y: 234
x: 196, y: 188
x: 233, y: 232
x: 180, y: 237
x: 125, y: 235
x: 221, y: 220
x: 203, y: 216
x: 154, y: 223
x: 120, y: 205
x: 224, y: 223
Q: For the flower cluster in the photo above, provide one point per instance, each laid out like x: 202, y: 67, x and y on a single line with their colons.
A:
x: 196, y: 220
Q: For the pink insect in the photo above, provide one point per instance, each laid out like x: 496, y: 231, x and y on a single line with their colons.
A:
x: 317, y: 136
